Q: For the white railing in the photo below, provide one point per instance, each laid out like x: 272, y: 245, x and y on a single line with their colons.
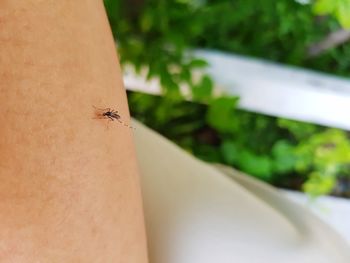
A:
x: 272, y: 89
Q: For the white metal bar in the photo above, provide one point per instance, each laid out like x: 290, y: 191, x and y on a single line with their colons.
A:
x: 272, y: 89
x: 282, y: 91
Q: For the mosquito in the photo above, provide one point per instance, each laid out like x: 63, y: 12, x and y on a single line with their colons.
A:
x: 111, y: 115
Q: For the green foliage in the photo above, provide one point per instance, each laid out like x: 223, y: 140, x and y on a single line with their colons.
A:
x: 221, y: 114
x: 280, y: 31
x: 260, y: 166
x: 338, y: 8
x: 325, y: 155
x: 265, y: 147
x: 177, y: 119
x: 157, y: 36
x: 203, y: 90
x: 319, y: 184
x: 300, y: 130
x: 284, y: 156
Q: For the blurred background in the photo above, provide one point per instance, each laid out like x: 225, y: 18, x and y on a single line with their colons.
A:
x: 257, y: 85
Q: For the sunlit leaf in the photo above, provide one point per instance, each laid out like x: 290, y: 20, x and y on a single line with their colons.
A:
x: 222, y: 114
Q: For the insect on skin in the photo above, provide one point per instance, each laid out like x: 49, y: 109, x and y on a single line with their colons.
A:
x: 111, y: 115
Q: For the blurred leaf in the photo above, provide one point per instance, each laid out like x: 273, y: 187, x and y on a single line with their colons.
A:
x: 339, y: 8
x: 146, y: 22
x: 319, y: 184
x: 299, y: 130
x: 260, y: 166
x: 198, y: 63
x: 343, y: 13
x: 202, y: 92
x: 323, y: 7
x: 229, y: 152
x: 221, y: 114
x: 284, y: 157
x: 186, y: 75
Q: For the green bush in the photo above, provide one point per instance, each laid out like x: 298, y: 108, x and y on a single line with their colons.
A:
x: 283, y: 152
x: 158, y: 36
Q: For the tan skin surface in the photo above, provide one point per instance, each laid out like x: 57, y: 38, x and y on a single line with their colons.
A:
x: 69, y: 186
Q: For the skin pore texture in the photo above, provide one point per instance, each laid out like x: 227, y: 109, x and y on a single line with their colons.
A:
x: 69, y: 185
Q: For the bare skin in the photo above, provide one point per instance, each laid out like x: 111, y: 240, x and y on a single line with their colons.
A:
x: 69, y: 186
